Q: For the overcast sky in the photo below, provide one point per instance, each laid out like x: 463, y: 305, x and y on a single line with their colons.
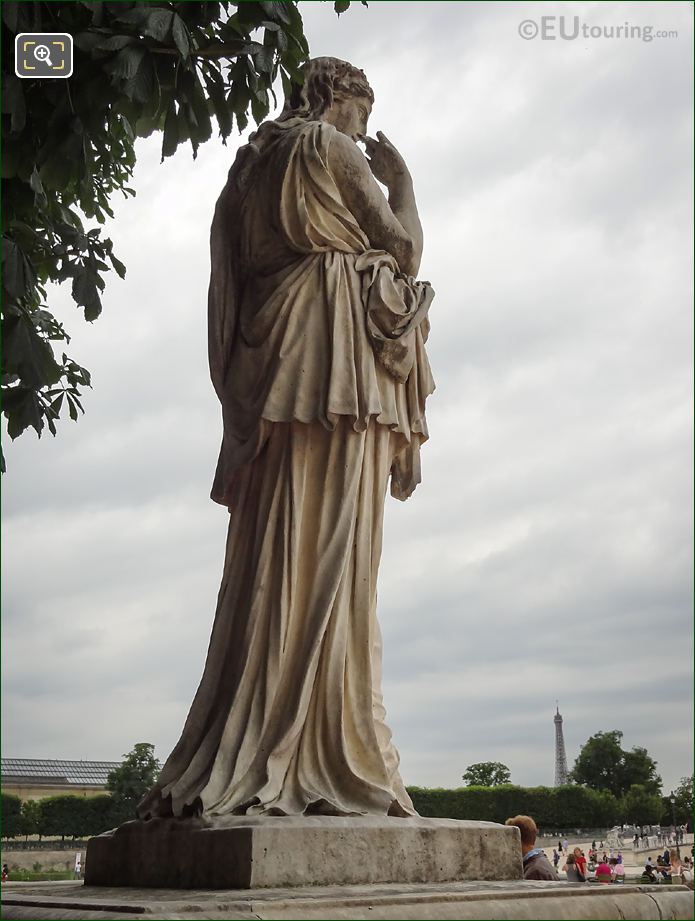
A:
x: 548, y: 552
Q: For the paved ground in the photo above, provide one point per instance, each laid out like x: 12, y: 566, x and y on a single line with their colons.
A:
x: 502, y: 901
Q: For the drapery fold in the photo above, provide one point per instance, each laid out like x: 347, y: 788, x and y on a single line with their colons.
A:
x: 289, y: 717
x: 324, y: 325
x: 317, y: 353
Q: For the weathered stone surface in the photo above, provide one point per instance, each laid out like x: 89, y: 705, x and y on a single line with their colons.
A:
x: 471, y: 900
x: 255, y: 852
x: 317, y: 330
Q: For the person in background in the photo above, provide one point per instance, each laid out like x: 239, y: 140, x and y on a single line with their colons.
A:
x: 5, y: 872
x: 556, y: 858
x: 593, y: 845
x: 679, y: 869
x: 662, y: 866
x: 604, y: 874
x: 648, y: 875
x: 572, y: 871
x: 580, y: 862
x: 536, y: 864
x: 565, y: 845
x: 559, y: 845
x: 620, y: 857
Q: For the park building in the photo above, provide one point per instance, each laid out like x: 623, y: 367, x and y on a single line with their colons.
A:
x: 36, y: 778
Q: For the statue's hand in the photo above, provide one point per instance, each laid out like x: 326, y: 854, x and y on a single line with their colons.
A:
x: 385, y: 162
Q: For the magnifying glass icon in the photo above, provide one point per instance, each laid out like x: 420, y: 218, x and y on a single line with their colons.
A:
x: 42, y: 53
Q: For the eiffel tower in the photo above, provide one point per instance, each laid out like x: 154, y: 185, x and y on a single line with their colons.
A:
x: 560, y: 756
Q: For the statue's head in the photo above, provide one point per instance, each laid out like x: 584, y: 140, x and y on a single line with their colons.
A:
x: 333, y: 91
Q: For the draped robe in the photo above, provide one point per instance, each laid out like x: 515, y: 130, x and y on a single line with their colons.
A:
x: 317, y: 352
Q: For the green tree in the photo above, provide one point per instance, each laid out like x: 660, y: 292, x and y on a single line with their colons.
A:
x: 103, y: 813
x: 683, y: 807
x: 640, y: 768
x: 130, y: 781
x: 31, y: 817
x: 64, y: 815
x: 11, y: 815
x: 603, y: 765
x: 486, y: 774
x: 68, y: 147
x: 684, y: 800
x: 639, y: 806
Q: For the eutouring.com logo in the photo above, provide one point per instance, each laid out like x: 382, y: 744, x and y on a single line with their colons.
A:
x: 569, y: 29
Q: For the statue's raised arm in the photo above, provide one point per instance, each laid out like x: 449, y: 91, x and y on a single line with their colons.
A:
x: 393, y: 225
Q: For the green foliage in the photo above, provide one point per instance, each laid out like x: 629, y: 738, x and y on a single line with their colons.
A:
x: 129, y: 782
x: 640, y: 807
x: 80, y: 816
x: 603, y: 765
x: 35, y: 876
x: 31, y: 817
x: 64, y: 815
x: 683, y: 807
x: 486, y: 774
x: 640, y: 768
x: 684, y: 800
x: 551, y: 807
x: 68, y: 146
x: 103, y: 813
x: 11, y: 816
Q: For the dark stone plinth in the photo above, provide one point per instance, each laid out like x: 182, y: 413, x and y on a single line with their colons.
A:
x: 239, y: 852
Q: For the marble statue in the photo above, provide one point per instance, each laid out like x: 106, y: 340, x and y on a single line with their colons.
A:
x: 317, y: 330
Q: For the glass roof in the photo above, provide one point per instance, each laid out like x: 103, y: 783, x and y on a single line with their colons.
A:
x: 74, y: 772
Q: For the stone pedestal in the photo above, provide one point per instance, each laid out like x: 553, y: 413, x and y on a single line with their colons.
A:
x: 248, y: 852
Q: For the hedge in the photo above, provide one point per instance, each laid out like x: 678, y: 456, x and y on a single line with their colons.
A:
x: 11, y: 819
x: 551, y: 807
x: 66, y: 816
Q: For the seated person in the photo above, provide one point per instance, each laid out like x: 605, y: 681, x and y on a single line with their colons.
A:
x: 604, y: 874
x: 680, y: 872
x: 648, y: 875
x: 619, y: 872
x: 571, y: 869
x: 536, y: 864
x: 580, y: 862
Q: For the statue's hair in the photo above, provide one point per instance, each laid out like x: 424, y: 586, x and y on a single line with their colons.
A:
x: 325, y: 79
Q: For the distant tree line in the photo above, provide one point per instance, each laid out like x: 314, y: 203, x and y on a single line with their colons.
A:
x: 569, y: 806
x: 608, y: 786
x: 71, y: 816
x: 66, y: 816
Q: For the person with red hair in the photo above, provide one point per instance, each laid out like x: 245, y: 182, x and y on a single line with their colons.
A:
x: 536, y: 864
